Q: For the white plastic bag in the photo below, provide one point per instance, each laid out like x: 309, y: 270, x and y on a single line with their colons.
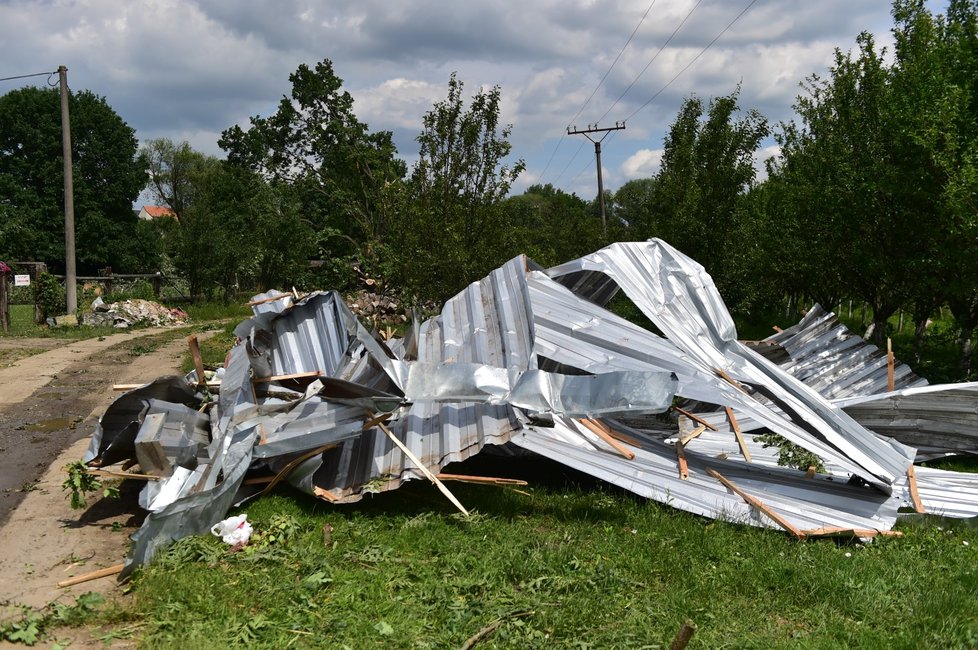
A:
x: 233, y: 530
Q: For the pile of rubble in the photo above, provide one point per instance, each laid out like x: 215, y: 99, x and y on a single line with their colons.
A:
x: 131, y: 313
x: 530, y: 361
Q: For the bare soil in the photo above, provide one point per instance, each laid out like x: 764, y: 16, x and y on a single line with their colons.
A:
x: 49, y: 404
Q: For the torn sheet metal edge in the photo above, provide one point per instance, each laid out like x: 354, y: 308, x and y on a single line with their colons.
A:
x: 835, y: 361
x: 806, y: 503
x: 677, y: 294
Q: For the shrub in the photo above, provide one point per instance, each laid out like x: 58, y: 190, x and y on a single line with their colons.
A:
x: 49, y: 295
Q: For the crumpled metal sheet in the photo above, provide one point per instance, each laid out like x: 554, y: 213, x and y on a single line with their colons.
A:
x: 520, y: 344
x: 808, y: 504
x: 828, y: 357
x: 679, y: 297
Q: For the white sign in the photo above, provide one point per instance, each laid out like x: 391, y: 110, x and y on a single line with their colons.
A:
x: 22, y: 280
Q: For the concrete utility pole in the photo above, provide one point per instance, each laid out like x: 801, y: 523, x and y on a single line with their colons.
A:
x: 593, y: 128
x: 70, y: 275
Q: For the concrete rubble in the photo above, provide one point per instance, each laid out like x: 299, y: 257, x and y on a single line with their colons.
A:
x: 131, y: 313
x: 530, y: 361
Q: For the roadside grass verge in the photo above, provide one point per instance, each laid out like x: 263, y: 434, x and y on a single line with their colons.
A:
x: 562, y: 566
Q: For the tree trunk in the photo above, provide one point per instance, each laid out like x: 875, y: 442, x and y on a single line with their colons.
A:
x: 966, y: 333
x: 881, y: 314
x: 920, y: 328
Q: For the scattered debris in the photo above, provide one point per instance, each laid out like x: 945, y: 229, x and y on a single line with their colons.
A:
x: 131, y: 313
x: 529, y: 360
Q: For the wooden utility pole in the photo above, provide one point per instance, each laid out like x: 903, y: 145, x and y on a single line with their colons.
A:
x: 70, y: 275
x: 593, y: 128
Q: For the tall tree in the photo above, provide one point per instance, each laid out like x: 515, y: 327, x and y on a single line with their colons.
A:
x: 108, y: 176
x: 454, y: 230
x: 343, y: 174
x: 707, y: 168
x: 174, y: 171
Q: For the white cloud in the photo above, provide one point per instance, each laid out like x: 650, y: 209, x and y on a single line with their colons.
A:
x: 644, y: 163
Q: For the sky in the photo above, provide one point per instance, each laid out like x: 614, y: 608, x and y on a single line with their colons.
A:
x: 189, y: 69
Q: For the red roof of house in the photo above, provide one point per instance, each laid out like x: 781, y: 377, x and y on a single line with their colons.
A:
x: 156, y: 211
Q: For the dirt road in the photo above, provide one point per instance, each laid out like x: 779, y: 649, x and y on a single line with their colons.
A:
x: 49, y: 404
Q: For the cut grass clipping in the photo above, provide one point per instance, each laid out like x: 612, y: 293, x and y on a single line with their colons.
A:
x: 582, y: 568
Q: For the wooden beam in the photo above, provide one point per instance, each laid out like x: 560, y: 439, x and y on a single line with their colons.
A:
x: 94, y: 575
x: 889, y: 365
x: 695, y: 433
x: 730, y: 380
x: 918, y: 505
x: 855, y: 532
x: 683, y: 466
x: 601, y: 430
x: 294, y: 375
x: 424, y: 470
x: 487, y: 480
x: 112, y: 474
x: 198, y: 360
x: 694, y: 418
x: 683, y: 637
x: 744, y: 451
x: 757, y: 503
x: 262, y: 301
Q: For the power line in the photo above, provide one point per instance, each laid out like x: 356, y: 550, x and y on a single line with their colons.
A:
x: 613, y: 64
x: 694, y: 59
x: 637, y: 77
x: 569, y: 162
x: 25, y: 76
x: 591, y: 96
x: 652, y: 60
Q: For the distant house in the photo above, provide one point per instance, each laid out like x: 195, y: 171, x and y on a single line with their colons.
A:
x: 150, y: 212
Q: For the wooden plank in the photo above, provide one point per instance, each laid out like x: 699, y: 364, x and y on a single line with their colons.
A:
x: 855, y: 532
x: 262, y: 301
x: 918, y: 505
x: 489, y: 480
x: 695, y: 433
x: 424, y: 470
x: 694, y: 418
x: 757, y: 503
x: 94, y: 575
x: 744, y: 451
x: 730, y: 380
x: 108, y: 473
x: 889, y: 365
x: 118, y: 387
x: 601, y: 430
x: 683, y: 466
x: 294, y: 375
x: 198, y: 360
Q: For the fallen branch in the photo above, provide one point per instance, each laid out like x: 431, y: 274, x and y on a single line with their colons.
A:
x: 492, y: 627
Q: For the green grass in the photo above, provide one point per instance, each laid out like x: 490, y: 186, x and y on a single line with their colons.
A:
x: 211, y: 311
x: 597, y: 568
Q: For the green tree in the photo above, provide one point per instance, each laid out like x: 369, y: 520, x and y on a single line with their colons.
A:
x: 697, y: 196
x: 344, y: 177
x: 552, y: 226
x: 454, y: 229
x: 107, y: 175
x: 174, y: 170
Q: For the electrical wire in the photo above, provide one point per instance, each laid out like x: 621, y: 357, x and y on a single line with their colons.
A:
x: 591, y: 96
x: 613, y: 63
x: 569, y: 163
x: 25, y: 76
x: 693, y: 60
x: 652, y: 60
